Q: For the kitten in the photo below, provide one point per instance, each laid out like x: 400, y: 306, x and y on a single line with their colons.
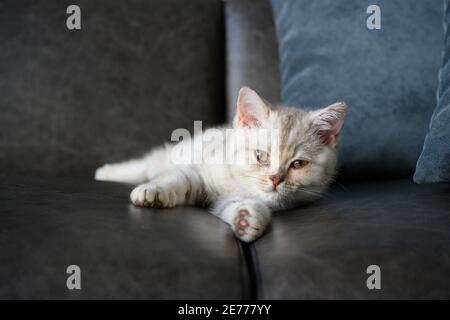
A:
x: 287, y: 169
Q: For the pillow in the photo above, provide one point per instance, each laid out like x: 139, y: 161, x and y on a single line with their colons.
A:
x: 434, y: 162
x: 387, y: 76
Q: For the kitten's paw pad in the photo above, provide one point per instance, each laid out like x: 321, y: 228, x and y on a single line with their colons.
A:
x: 150, y: 195
x: 248, y: 225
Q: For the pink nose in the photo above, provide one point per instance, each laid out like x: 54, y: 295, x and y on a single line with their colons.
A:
x: 276, y: 180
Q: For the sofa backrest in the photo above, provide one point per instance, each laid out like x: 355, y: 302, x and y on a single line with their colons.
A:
x: 72, y: 100
x: 251, y: 51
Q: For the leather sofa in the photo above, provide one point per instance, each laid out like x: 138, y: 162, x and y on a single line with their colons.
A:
x: 72, y: 100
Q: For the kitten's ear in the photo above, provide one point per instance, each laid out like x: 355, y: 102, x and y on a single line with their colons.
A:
x: 328, y: 122
x: 251, y: 109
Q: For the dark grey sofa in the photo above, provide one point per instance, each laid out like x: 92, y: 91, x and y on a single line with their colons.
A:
x: 73, y: 100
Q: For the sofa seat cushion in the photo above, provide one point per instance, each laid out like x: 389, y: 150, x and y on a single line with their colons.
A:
x: 323, y: 250
x: 123, y: 251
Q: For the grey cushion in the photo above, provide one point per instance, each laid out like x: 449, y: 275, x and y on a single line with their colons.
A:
x: 251, y: 51
x: 434, y: 162
x: 387, y: 76
x: 47, y: 224
x: 72, y: 100
x: 323, y: 250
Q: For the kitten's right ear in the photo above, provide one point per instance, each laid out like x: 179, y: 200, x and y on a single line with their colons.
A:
x: 251, y: 109
x: 329, y: 121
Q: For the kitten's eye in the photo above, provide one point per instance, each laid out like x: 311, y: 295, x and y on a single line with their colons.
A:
x: 262, y: 157
x: 298, y: 164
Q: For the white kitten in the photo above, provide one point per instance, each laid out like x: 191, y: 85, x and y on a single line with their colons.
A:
x: 274, y: 172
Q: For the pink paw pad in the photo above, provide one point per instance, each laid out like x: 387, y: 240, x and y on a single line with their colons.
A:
x: 241, y: 221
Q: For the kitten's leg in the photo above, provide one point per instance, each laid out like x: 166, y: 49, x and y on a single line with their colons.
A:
x: 133, y: 171
x: 177, y: 186
x: 248, y: 218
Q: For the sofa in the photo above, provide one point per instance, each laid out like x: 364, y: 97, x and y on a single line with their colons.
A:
x: 73, y: 100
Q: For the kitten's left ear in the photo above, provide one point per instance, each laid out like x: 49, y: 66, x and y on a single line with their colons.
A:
x: 329, y: 121
x: 251, y: 109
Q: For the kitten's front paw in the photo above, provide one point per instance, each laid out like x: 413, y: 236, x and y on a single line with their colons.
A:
x: 151, y: 195
x: 249, y: 224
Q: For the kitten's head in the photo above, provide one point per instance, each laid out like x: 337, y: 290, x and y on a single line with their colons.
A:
x: 299, y: 161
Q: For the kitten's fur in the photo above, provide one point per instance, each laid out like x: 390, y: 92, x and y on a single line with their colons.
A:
x: 243, y: 194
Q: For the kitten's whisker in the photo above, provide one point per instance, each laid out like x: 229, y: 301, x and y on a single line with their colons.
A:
x: 314, y: 193
x: 250, y: 176
x: 307, y: 191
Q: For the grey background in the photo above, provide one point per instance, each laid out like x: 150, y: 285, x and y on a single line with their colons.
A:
x: 73, y: 100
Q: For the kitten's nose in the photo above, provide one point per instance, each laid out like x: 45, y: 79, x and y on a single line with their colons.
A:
x: 276, y: 180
